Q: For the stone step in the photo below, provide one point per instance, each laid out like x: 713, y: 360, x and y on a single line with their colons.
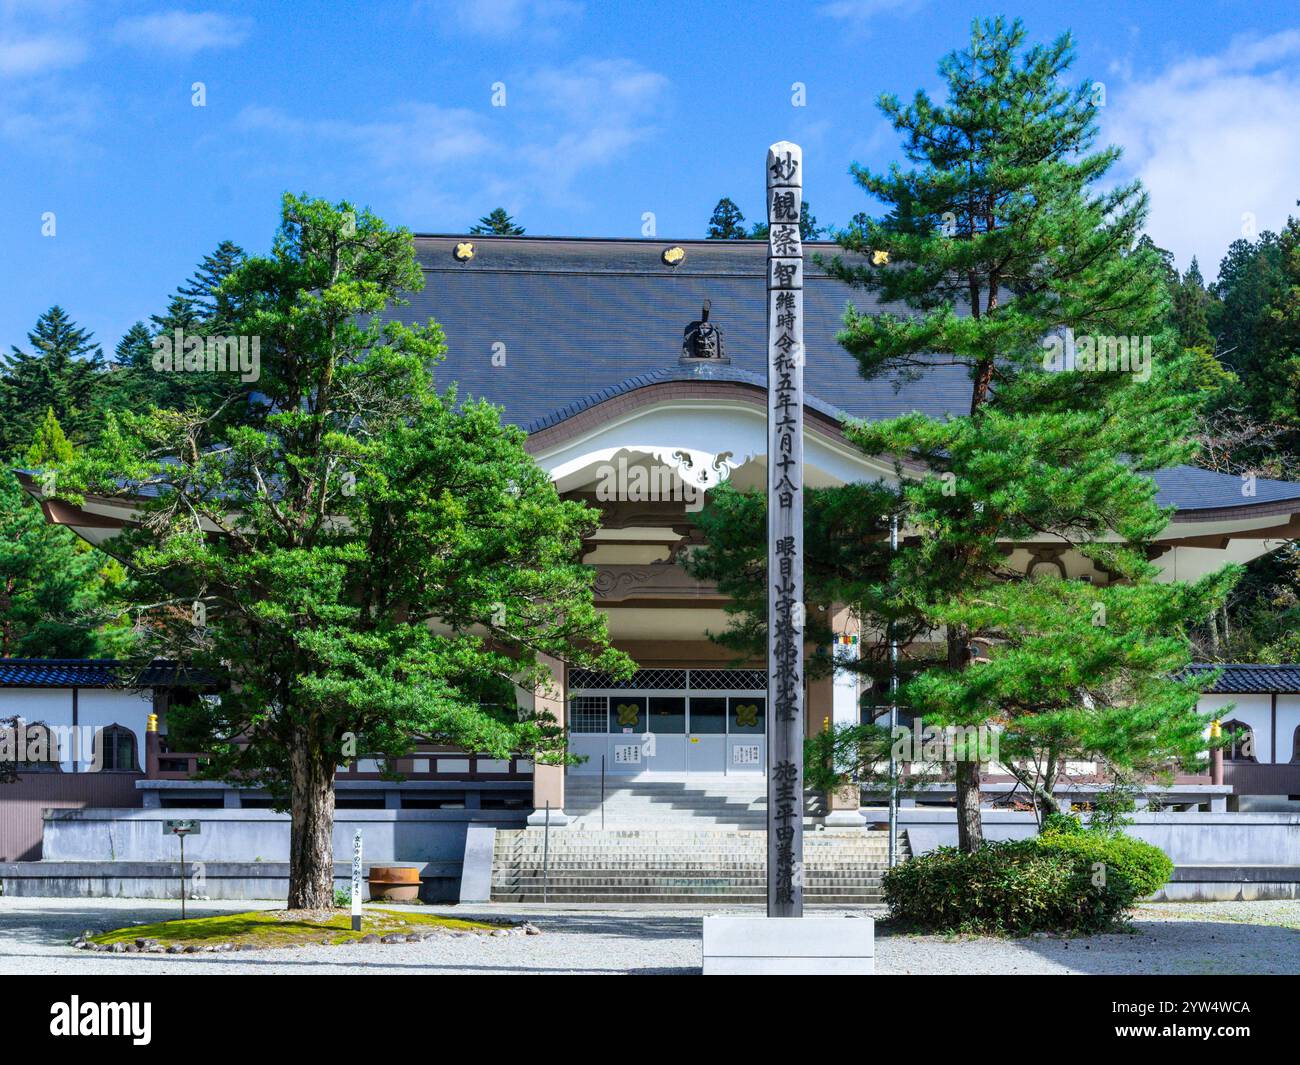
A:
x: 696, y: 853
x: 678, y: 864
x: 622, y: 884
x: 660, y: 834
x: 698, y: 898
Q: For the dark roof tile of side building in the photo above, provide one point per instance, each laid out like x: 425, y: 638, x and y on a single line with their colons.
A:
x: 98, y: 673
x: 1249, y: 678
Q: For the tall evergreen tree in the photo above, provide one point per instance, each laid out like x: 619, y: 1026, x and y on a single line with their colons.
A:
x: 1191, y: 310
x: 59, y: 370
x: 135, y: 349
x: 396, y: 564
x: 203, y: 289
x: 727, y: 222
x: 54, y: 588
x: 50, y: 446
x: 498, y: 223
x: 1000, y: 239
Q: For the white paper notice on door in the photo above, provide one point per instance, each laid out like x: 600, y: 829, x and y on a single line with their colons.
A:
x: 627, y: 753
x: 746, y: 754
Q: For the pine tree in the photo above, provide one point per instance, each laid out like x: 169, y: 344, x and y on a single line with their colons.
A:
x: 1191, y: 310
x: 50, y: 447
x: 1000, y: 239
x: 135, y: 349
x: 498, y: 223
x: 392, y: 506
x: 203, y: 289
x: 54, y: 588
x: 59, y: 370
x: 727, y: 222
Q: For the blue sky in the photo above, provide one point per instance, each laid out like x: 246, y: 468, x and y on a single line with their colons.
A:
x: 612, y: 110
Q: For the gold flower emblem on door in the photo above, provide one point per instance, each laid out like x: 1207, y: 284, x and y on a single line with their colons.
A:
x: 747, y: 715
x: 627, y: 714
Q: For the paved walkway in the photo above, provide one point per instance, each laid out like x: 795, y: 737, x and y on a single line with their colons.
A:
x: 1209, y: 938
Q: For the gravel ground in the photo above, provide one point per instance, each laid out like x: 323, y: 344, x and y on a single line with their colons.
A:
x: 1196, y: 938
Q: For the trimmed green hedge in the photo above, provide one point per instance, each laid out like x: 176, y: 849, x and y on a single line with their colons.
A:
x: 1064, y: 882
x: 1143, y: 864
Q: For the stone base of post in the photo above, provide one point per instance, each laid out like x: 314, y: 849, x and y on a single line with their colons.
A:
x: 537, y: 819
x: 548, y: 787
x: 844, y: 811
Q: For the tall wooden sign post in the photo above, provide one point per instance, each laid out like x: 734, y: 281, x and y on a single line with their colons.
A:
x: 785, y: 610
x: 746, y: 944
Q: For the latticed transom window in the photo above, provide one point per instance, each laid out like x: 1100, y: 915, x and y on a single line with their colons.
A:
x: 671, y: 680
x: 728, y: 679
x: 642, y: 679
x: 588, y: 713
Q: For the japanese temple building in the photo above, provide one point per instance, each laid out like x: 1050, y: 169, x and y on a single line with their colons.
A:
x: 599, y: 349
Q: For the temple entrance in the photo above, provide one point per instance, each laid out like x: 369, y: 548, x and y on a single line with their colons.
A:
x: 670, y: 721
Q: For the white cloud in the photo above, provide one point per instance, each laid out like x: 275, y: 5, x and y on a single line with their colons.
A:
x: 857, y: 15
x: 183, y: 32
x: 501, y: 18
x: 37, y: 55
x: 588, y: 114
x: 560, y: 122
x: 415, y: 136
x: 1216, y: 141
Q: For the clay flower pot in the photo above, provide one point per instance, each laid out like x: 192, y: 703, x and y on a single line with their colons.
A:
x: 396, y: 883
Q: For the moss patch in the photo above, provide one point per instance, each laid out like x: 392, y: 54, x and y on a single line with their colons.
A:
x: 287, y: 928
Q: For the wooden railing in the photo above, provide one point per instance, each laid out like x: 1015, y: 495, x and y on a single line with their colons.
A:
x: 1251, y: 778
x: 425, y: 763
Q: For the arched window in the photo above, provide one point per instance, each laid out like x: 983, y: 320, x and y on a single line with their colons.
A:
x: 115, y: 749
x: 1242, y: 747
x: 28, y: 747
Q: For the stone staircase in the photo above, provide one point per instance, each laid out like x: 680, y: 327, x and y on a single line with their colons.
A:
x: 688, y: 803
x: 681, y: 866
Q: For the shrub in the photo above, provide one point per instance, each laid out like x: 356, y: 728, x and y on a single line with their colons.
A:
x: 1044, y: 884
x: 1061, y: 825
x: 1146, y: 867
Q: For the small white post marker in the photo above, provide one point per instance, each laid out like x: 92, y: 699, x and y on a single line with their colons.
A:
x: 356, y: 881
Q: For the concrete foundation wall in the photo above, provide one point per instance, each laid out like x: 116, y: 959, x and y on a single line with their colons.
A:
x: 237, y: 854
x: 214, y: 880
x: 1192, y: 838
x: 1218, y: 857
x: 124, y: 835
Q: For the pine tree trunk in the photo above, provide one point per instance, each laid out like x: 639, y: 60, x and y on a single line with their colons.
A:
x: 1045, y: 793
x: 970, y: 826
x: 311, y: 834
